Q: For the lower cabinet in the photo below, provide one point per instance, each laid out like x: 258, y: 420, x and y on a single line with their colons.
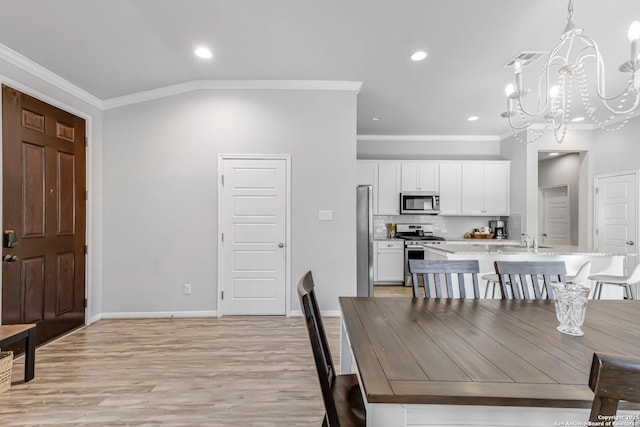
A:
x: 388, y: 264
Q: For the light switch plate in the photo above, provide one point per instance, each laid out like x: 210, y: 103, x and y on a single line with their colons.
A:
x: 325, y: 215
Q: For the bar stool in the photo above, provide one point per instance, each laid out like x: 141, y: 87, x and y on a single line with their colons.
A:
x: 491, y: 278
x: 623, y: 281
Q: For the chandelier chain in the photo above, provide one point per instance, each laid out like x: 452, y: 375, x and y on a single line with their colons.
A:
x: 570, y: 10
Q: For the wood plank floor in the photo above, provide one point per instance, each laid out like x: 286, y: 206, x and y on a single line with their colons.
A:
x: 233, y: 371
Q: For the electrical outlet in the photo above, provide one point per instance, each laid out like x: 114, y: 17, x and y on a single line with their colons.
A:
x: 187, y: 288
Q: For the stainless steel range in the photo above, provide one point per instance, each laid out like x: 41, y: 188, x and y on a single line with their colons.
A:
x: 416, y: 238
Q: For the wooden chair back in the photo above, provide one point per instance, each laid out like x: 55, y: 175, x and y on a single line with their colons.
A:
x: 433, y: 270
x: 612, y: 379
x: 341, y: 394
x: 521, y: 279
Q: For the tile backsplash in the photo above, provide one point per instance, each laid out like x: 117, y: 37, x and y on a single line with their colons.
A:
x: 451, y: 227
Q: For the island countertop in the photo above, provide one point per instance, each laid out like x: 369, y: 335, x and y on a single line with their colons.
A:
x: 492, y: 249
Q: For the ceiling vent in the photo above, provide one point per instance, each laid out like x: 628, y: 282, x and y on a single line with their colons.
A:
x: 525, y: 58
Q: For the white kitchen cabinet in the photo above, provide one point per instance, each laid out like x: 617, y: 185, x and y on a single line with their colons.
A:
x: 450, y: 177
x: 420, y: 176
x: 367, y: 171
x: 485, y: 188
x: 389, y: 261
x: 388, y: 188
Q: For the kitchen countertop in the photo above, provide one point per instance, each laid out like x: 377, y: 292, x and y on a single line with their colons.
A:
x: 491, y: 249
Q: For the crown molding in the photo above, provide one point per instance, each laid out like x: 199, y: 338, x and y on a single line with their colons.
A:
x: 26, y: 64
x: 149, y: 95
x: 428, y: 138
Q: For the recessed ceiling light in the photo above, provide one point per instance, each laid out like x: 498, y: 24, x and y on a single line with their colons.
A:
x: 554, y: 154
x: 203, y: 52
x: 419, y: 55
x: 577, y: 119
x: 472, y: 118
x: 376, y: 118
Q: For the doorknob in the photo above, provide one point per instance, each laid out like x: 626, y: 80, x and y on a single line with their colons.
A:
x: 544, y: 234
x: 281, y: 245
x: 10, y: 258
x: 630, y: 242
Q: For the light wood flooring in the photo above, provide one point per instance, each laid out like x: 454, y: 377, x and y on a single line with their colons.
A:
x: 233, y: 371
x: 395, y: 291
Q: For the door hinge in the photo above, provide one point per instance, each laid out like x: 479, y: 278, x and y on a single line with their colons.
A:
x: 86, y: 249
x: 222, y: 179
x: 86, y: 303
x: 596, y: 190
x: 596, y: 231
x: 222, y: 295
x: 86, y: 141
x: 222, y: 236
x: 86, y: 194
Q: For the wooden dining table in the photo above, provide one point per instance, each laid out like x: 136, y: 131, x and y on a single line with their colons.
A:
x: 460, y: 362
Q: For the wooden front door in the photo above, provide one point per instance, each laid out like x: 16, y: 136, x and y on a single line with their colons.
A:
x: 43, y: 270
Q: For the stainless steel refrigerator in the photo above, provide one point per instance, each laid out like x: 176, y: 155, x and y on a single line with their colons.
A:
x: 364, y: 248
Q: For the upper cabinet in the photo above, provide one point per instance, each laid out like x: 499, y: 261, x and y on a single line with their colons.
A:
x: 485, y: 188
x: 384, y: 176
x: 368, y: 175
x: 467, y: 188
x: 388, y: 188
x: 422, y: 176
x: 450, y: 188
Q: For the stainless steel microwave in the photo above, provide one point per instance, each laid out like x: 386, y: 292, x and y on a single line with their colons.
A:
x: 419, y: 203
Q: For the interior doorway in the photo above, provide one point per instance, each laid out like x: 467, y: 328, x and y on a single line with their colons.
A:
x: 254, y: 224
x: 555, y: 171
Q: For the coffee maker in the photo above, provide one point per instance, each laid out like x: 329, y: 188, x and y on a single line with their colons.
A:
x: 499, y: 229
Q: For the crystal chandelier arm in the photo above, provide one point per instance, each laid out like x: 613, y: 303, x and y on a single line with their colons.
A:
x: 601, y: 77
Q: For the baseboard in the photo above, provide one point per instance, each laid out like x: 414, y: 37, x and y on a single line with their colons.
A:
x: 95, y: 318
x: 159, y: 314
x: 325, y: 313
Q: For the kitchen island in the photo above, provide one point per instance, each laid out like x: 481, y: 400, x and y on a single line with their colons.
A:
x: 573, y: 257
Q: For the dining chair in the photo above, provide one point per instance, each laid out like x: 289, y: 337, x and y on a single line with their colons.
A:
x: 580, y: 277
x: 613, y: 378
x: 624, y: 281
x: 341, y: 394
x: 434, y: 269
x: 521, y: 279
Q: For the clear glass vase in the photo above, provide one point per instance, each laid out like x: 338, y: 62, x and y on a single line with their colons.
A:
x: 571, y: 306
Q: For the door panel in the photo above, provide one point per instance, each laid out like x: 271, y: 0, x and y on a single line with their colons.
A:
x: 616, y: 215
x: 44, y: 202
x: 556, y: 216
x: 253, y: 225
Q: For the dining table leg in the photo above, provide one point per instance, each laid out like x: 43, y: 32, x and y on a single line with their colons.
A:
x: 346, y: 358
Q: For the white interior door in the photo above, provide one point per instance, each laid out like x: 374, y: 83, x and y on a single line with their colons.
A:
x: 556, y: 216
x: 617, y: 213
x: 253, y: 222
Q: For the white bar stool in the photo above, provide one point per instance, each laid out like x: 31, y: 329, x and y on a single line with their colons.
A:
x: 491, y: 278
x: 623, y: 281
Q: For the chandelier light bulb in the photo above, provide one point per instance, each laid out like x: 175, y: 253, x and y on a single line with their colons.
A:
x: 634, y: 31
x: 510, y: 90
x: 554, y: 91
x: 517, y: 67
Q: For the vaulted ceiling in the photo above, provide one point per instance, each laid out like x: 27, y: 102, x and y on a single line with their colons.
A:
x: 119, y: 47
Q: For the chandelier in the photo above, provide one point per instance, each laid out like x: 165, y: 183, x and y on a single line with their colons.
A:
x: 566, y: 64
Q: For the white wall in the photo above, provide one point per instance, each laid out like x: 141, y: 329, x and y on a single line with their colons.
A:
x: 160, y: 189
x: 617, y: 151
x: 44, y: 89
x: 563, y: 170
x: 404, y: 149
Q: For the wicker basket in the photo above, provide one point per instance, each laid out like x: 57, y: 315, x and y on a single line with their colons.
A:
x: 6, y: 364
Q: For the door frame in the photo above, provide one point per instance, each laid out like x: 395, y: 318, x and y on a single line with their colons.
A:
x: 287, y: 224
x: 596, y: 218
x: 89, y: 236
x: 541, y: 207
